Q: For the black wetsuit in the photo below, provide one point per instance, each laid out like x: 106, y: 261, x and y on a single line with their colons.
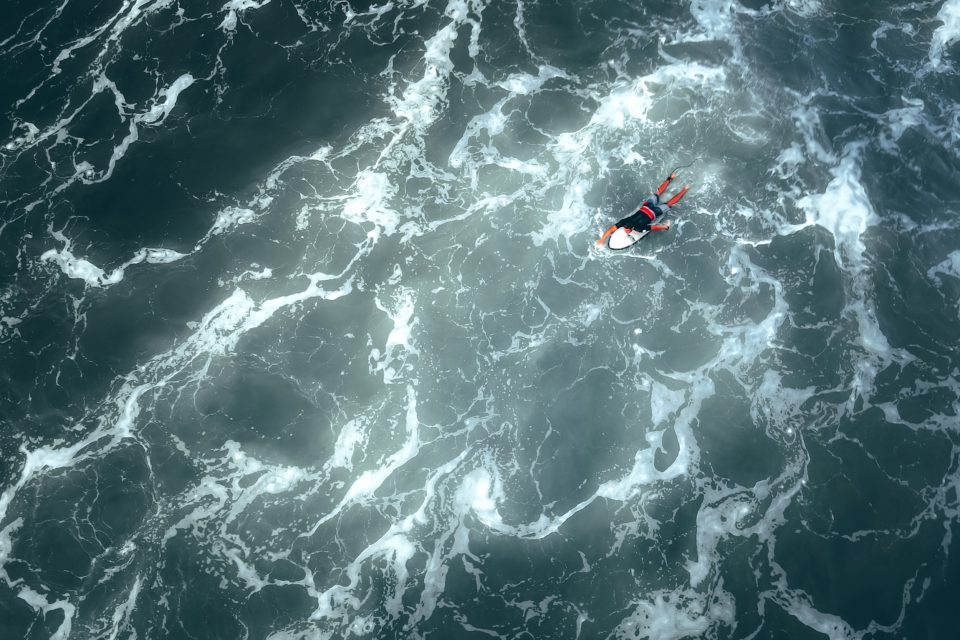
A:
x: 641, y: 220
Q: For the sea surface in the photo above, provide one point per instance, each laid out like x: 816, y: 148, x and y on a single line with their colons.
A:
x: 304, y: 333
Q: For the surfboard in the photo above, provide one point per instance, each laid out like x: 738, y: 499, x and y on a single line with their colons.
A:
x: 620, y: 239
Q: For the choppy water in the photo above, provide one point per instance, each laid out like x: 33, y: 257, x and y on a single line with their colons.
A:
x: 304, y: 334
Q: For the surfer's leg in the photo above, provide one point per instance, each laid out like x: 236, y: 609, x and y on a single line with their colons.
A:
x: 675, y: 199
x: 663, y: 185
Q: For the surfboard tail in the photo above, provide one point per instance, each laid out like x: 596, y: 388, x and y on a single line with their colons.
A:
x: 622, y: 239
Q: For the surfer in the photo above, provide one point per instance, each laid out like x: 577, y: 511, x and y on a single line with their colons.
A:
x: 651, y: 209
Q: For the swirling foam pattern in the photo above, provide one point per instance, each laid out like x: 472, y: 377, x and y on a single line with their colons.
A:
x: 304, y: 334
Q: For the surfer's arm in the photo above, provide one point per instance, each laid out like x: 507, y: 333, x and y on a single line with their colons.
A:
x: 660, y: 227
x: 606, y: 233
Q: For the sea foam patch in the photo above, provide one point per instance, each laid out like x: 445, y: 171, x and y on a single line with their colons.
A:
x: 476, y: 187
x: 669, y: 615
x: 946, y: 34
x: 950, y: 266
x: 370, y: 203
x: 94, y: 276
x: 844, y: 209
x: 399, y: 346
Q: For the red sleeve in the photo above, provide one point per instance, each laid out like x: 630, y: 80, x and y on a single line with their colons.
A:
x: 658, y: 227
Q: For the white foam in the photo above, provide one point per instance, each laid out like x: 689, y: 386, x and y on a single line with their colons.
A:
x: 156, y: 256
x: 229, y: 22
x: 78, y: 268
x: 644, y: 470
x: 804, y: 8
x: 220, y: 329
x: 897, y: 122
x: 94, y: 276
x: 475, y: 495
x: 243, y: 5
x: 135, y: 11
x: 375, y: 11
x: 663, y: 402
x: 129, y: 13
x: 226, y: 499
x: 492, y: 123
x: 79, y: 43
x: 369, y: 481
x: 946, y: 34
x: 313, y: 634
x: 27, y: 138
x: 402, y: 326
x: 482, y: 490
x: 834, y: 627
x: 6, y: 544
x: 716, y: 19
x: 789, y: 159
x: 777, y: 406
x: 951, y: 132
x: 632, y: 101
x: 744, y: 512
x: 211, y: 497
x: 399, y: 344
x: 372, y: 192
x: 247, y: 574
x: 167, y: 100
x: 570, y: 218
x: 163, y: 104
x: 671, y: 615
x: 744, y: 343
x: 948, y: 267
x: 617, y: 109
x: 121, y: 615
x: 278, y: 480
x: 870, y: 337
x: 231, y: 217
x: 590, y: 313
x: 715, y: 522
x: 352, y: 435
x: 396, y: 547
x: 525, y: 84
x: 808, y: 122
x: 843, y: 209
x: 40, y: 603
x: 112, y: 429
x: 418, y: 103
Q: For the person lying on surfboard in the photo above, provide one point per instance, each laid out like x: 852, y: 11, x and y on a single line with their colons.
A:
x: 651, y: 209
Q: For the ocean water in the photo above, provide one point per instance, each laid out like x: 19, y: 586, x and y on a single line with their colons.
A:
x: 304, y: 333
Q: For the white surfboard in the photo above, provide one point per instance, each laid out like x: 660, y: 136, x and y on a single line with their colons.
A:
x: 620, y: 239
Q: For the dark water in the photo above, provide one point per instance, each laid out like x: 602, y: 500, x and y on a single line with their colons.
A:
x: 304, y: 334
